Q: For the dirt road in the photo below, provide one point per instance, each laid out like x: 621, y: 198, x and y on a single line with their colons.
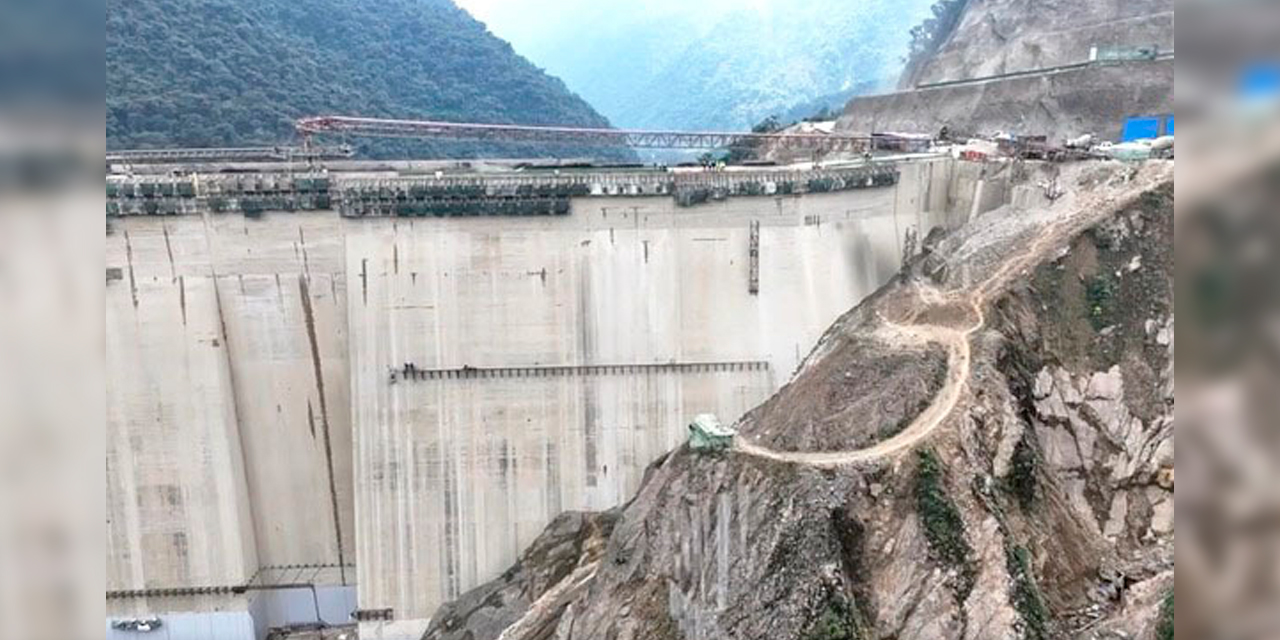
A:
x: 1084, y: 212
x: 956, y: 342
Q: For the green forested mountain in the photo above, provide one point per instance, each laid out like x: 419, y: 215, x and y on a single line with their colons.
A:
x: 237, y: 72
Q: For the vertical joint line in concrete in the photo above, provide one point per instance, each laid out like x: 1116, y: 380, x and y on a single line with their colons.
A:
x: 133, y: 283
x: 364, y: 281
x: 232, y: 377
x: 304, y: 291
x: 753, y: 251
x: 168, y: 247
x: 302, y: 244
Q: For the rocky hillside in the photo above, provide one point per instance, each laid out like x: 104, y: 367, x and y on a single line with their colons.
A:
x: 553, y: 570
x: 1001, y: 36
x: 1010, y: 476
x: 993, y: 37
x: 237, y: 72
x: 1094, y: 99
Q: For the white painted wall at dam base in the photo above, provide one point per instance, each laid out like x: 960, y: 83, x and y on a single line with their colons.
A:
x: 247, y: 617
x: 215, y: 625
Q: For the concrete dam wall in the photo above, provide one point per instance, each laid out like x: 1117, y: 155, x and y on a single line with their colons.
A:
x: 228, y: 427
x: 398, y: 405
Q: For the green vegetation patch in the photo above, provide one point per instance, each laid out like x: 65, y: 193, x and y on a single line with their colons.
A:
x: 197, y: 73
x: 839, y: 620
x: 943, y: 526
x: 1022, y: 475
x: 1164, y: 629
x: 1025, y: 597
x: 1100, y: 296
x: 928, y: 35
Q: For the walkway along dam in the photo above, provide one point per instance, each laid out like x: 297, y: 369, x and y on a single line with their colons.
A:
x: 359, y: 391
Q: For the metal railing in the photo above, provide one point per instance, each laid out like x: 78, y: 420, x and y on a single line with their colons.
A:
x: 229, y: 154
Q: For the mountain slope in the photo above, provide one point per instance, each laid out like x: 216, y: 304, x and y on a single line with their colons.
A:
x: 992, y: 37
x: 237, y: 72
x: 719, y: 64
x: 1003, y: 36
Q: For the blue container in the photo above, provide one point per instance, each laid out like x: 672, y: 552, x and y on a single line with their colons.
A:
x: 1140, y: 127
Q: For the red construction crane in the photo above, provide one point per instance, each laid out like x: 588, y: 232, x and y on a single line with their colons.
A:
x: 819, y: 143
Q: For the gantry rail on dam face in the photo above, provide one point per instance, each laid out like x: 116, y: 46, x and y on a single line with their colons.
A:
x: 290, y: 574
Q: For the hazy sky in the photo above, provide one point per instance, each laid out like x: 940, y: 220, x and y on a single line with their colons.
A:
x: 675, y: 63
x: 511, y: 20
x: 524, y: 23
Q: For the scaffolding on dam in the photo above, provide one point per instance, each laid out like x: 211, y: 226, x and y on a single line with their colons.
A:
x: 248, y: 194
x: 470, y: 195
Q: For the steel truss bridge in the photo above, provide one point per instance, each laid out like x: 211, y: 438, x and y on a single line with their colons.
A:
x: 818, y: 143
x: 230, y: 154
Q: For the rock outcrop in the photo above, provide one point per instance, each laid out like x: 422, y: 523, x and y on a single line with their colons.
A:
x: 565, y: 551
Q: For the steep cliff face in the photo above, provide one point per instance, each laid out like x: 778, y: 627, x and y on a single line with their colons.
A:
x: 1022, y: 490
x: 1094, y: 99
x: 1002, y: 36
x: 1035, y: 38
